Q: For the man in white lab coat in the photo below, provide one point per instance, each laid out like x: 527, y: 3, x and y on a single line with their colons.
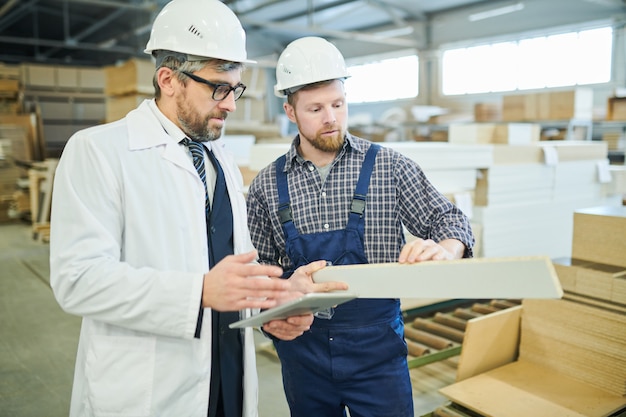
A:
x: 133, y: 244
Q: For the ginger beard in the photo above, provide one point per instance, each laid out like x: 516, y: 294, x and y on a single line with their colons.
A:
x: 194, y: 124
x: 322, y: 141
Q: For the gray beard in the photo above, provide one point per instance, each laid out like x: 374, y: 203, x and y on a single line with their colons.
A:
x: 201, y: 135
x: 193, y: 126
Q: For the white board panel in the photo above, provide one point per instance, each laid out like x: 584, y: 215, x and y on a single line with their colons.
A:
x: 509, y: 277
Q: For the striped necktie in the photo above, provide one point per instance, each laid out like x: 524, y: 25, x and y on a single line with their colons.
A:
x: 197, y: 154
x: 225, y: 393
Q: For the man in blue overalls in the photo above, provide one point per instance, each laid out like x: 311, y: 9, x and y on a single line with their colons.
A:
x: 342, y: 199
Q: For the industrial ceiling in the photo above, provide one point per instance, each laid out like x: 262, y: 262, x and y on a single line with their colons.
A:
x: 103, y: 32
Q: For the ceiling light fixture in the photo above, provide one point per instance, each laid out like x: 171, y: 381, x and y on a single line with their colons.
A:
x: 496, y: 12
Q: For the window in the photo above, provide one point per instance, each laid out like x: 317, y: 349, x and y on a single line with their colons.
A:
x: 538, y: 62
x: 386, y: 79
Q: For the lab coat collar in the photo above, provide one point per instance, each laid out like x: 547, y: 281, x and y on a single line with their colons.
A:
x: 145, y: 129
x: 149, y: 128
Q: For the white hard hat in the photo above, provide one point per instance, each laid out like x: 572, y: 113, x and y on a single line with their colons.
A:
x: 305, y: 61
x: 199, y: 29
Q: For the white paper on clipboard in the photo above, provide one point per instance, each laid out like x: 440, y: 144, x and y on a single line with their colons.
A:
x: 308, y: 303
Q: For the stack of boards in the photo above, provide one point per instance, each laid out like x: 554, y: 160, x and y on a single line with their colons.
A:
x: 572, y: 351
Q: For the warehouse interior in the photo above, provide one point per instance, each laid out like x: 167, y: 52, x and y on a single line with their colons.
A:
x: 537, y: 163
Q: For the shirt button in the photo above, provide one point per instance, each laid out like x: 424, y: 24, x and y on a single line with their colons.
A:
x: 326, y: 225
x: 331, y: 339
x: 311, y: 167
x: 323, y: 193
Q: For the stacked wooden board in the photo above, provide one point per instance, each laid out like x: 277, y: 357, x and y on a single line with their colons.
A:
x: 572, y: 352
x: 597, y: 267
x: 451, y: 168
x: 127, y: 85
x: 583, y: 342
x: 525, y: 201
x: 13, y: 147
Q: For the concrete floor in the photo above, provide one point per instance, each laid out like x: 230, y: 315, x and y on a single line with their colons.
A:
x: 38, y: 343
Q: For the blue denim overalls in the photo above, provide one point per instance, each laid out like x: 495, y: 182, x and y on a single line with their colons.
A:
x: 358, y: 357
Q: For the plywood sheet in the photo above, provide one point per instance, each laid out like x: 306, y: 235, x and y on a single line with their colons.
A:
x: 512, y: 277
x: 523, y: 389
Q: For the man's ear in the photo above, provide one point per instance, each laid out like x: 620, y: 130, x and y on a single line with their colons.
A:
x: 290, y: 112
x: 166, y: 80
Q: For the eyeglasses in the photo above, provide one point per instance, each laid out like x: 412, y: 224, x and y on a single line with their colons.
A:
x: 220, y: 91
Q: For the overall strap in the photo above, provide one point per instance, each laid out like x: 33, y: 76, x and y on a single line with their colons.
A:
x: 284, y: 205
x: 357, y: 207
x: 358, y: 200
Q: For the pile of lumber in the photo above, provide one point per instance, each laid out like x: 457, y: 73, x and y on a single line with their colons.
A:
x: 572, y: 351
x: 533, y: 190
x: 584, y: 342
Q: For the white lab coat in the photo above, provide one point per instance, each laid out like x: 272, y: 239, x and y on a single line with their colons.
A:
x: 128, y: 251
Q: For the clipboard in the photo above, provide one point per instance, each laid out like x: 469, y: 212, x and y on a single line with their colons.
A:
x: 308, y: 303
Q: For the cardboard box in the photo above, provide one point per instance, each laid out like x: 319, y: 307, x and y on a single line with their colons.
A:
x: 516, y: 133
x: 616, y: 108
x: 591, y: 279
x: 39, y: 76
x: 567, y: 271
x: 552, y: 105
x: 8, y: 85
x: 91, y: 79
x: 67, y: 77
x: 88, y: 79
x: 465, y: 133
x: 583, y: 150
x: 9, y: 71
x: 501, y: 133
x: 30, y: 138
x: 615, y: 140
x: 535, y: 153
x: 10, y: 107
x: 519, y: 107
x: 565, y: 105
x: 600, y: 235
x: 9, y: 175
x: 596, y: 280
x: 132, y: 77
x: 487, y: 112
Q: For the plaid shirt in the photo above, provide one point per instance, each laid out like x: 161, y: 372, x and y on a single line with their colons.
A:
x: 399, y: 194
